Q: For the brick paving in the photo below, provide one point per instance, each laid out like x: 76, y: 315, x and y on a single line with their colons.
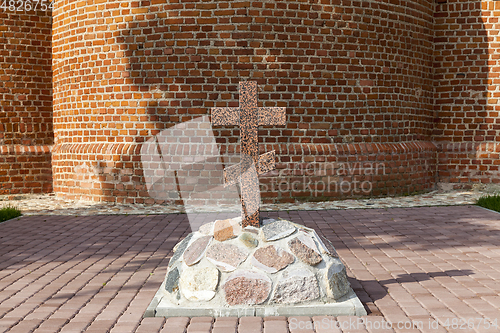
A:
x: 409, y: 266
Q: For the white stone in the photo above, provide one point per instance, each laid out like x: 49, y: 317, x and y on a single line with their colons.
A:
x: 207, y: 229
x: 277, y: 230
x: 296, y: 285
x: 199, y: 284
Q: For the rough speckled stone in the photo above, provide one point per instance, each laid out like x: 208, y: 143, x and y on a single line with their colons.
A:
x: 277, y: 230
x: 249, y: 240
x: 226, y: 257
x: 199, y: 284
x: 172, y: 280
x: 271, y: 259
x: 301, y: 247
x: 207, y: 229
x: 226, y: 229
x: 195, y: 250
x: 336, y: 277
x: 179, y: 249
x: 247, y: 287
x: 295, y: 286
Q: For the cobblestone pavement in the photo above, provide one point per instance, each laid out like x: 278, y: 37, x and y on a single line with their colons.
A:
x: 409, y: 266
x: 49, y: 204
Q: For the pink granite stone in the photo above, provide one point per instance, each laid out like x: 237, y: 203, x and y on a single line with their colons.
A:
x: 271, y: 259
x: 226, y: 257
x: 247, y: 287
x: 195, y: 250
x: 305, y: 249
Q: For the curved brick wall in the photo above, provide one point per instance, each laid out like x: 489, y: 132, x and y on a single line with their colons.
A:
x: 356, y: 78
x: 466, y: 99
x: 26, y: 133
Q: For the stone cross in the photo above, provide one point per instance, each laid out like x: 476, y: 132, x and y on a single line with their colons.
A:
x: 249, y: 117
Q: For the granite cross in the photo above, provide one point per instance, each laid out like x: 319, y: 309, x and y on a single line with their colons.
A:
x: 249, y: 117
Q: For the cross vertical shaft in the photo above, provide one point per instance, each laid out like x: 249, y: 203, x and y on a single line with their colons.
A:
x: 249, y: 117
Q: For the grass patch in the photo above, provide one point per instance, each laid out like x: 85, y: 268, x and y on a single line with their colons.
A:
x: 490, y: 201
x: 9, y: 212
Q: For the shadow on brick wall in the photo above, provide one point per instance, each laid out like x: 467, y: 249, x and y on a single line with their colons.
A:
x: 184, y: 58
x: 466, y: 125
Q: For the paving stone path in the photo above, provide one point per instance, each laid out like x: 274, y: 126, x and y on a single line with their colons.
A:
x: 410, y: 266
x: 49, y: 204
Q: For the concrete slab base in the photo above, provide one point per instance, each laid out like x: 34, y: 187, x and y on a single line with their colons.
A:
x: 348, y: 305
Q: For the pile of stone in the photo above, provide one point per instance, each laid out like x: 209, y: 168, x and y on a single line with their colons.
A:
x: 223, y: 266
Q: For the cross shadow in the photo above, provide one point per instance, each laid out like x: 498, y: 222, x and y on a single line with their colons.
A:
x: 369, y: 291
x: 400, y: 230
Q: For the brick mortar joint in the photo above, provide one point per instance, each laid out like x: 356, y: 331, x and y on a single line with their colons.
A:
x: 26, y: 149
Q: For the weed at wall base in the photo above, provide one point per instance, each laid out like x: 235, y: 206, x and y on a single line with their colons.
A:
x: 490, y: 201
x: 9, y: 212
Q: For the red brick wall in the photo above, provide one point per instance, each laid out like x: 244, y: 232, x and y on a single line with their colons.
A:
x: 26, y: 133
x: 326, y: 172
x: 466, y: 99
x: 355, y: 76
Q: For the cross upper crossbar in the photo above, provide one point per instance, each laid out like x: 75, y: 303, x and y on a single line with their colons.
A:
x: 249, y: 117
